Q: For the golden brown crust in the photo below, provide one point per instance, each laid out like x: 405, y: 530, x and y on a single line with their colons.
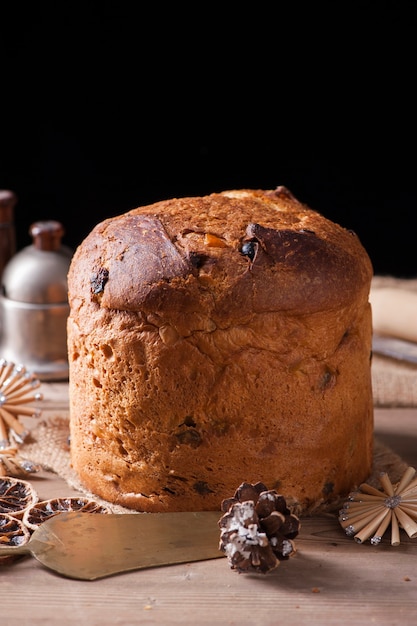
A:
x: 216, y: 340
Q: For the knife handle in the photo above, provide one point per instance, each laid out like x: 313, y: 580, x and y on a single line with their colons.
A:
x: 394, y: 312
x: 19, y: 550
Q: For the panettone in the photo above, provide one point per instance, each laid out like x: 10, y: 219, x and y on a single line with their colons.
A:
x: 218, y: 340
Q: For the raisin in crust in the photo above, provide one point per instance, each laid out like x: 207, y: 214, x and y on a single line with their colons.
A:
x: 216, y: 339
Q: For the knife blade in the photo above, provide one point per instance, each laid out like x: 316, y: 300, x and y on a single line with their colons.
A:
x: 399, y: 349
x: 88, y: 546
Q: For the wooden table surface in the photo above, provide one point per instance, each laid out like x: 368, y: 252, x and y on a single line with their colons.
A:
x: 330, y: 580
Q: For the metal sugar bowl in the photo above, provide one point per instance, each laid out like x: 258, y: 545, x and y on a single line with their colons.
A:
x: 34, y: 304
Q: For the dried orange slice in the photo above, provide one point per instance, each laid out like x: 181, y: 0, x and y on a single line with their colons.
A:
x: 13, y: 532
x: 16, y: 496
x: 41, y: 511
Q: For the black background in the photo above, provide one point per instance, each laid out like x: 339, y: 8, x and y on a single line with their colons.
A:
x: 112, y: 106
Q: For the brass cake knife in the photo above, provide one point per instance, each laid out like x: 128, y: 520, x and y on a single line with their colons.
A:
x: 88, y: 546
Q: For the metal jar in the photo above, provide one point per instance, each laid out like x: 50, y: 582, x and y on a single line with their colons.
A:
x: 34, y: 304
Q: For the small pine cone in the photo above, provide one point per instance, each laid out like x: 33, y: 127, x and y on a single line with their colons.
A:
x: 257, y: 529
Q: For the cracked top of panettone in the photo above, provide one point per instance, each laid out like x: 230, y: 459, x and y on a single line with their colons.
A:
x: 232, y: 253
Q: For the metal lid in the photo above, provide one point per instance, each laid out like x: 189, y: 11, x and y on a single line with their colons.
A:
x: 8, y: 200
x: 38, y: 273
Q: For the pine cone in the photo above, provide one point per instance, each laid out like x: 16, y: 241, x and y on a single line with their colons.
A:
x: 257, y: 529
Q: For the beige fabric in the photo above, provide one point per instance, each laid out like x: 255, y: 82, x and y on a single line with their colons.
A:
x: 394, y: 382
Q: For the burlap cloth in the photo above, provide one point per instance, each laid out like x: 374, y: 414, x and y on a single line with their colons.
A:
x: 394, y: 385
x: 394, y: 382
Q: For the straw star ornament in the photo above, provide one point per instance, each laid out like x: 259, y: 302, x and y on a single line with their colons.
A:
x: 12, y: 464
x: 369, y: 512
x: 17, y: 392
